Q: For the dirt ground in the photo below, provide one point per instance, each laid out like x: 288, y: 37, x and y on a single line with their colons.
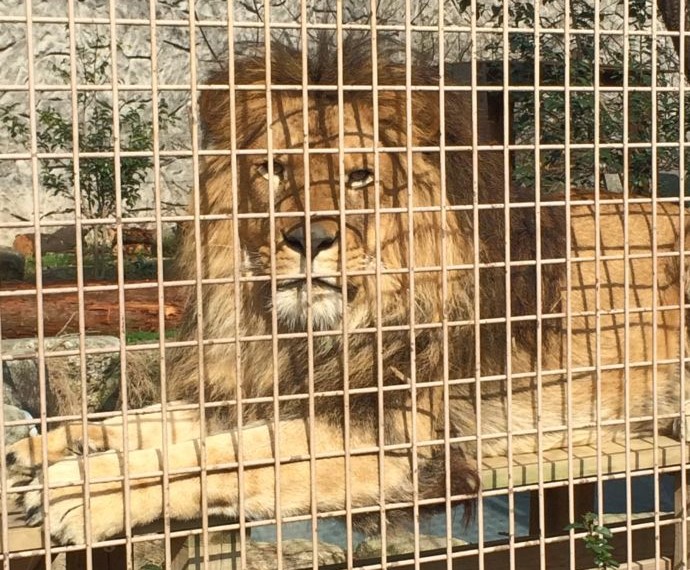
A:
x: 19, y: 313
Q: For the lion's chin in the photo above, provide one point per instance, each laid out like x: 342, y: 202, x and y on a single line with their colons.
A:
x: 291, y: 308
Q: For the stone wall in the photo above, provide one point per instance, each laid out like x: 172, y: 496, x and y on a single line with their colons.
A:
x: 133, y: 68
x: 50, y: 40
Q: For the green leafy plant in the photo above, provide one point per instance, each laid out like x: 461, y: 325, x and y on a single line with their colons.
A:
x: 590, y: 117
x: 596, y: 540
x: 12, y: 122
x: 96, y: 118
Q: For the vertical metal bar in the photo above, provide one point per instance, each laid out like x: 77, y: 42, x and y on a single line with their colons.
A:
x: 274, y: 315
x: 198, y: 257
x: 79, y: 251
x: 682, y: 299
x: 626, y: 273
x: 538, y: 274
x: 597, y: 260
x: 343, y: 271
x: 381, y: 440
x: 120, y: 272
x: 308, y: 281
x: 654, y: 308
x: 507, y: 175
x: 36, y: 200
x: 160, y: 280
x: 237, y: 287
x: 568, y: 277
x: 476, y: 244
x: 444, y: 282
x: 4, y: 523
x: 409, y: 143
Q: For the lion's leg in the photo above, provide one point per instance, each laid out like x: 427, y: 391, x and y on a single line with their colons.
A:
x: 144, y: 430
x: 259, y: 477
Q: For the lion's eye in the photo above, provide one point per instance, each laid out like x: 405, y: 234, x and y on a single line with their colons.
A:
x: 278, y: 170
x: 360, y: 178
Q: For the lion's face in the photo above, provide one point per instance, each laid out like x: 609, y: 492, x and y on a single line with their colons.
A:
x: 328, y: 258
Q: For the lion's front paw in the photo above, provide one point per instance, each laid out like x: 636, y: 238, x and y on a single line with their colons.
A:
x: 66, y: 501
x: 25, y: 457
x: 65, y: 511
x: 22, y: 459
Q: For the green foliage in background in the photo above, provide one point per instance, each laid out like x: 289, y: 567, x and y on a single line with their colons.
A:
x: 95, y: 123
x: 547, y: 52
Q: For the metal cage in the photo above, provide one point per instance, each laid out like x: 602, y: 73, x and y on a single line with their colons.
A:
x: 340, y: 284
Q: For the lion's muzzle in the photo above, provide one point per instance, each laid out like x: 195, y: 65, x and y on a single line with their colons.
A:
x: 322, y: 236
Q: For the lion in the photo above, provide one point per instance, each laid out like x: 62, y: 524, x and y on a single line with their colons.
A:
x: 417, y: 318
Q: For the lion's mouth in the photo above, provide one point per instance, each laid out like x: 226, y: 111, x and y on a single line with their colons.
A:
x: 320, y: 285
x: 293, y: 301
x: 318, y: 282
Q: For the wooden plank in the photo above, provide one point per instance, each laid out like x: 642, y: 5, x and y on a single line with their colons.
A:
x: 22, y: 537
x: 557, y: 554
x: 614, y: 458
x: 662, y: 563
x: 223, y: 552
x: 107, y: 558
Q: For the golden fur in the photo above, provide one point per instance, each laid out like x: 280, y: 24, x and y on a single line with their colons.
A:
x: 576, y: 329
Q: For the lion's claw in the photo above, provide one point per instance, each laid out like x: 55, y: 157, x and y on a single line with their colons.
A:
x: 21, y: 469
x: 64, y: 511
x: 34, y: 516
x: 18, y: 476
x: 65, y: 503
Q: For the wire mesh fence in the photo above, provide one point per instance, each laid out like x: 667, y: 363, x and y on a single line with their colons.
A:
x: 305, y: 284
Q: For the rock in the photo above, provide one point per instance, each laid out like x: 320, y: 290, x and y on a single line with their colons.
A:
x: 63, y: 378
x: 15, y: 433
x: 20, y: 384
x: 297, y: 553
x: 401, y: 542
x: 60, y: 241
x: 11, y: 265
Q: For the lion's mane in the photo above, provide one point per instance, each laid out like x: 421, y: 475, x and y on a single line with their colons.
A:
x: 444, y: 237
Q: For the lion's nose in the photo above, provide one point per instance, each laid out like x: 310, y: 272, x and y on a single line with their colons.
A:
x: 322, y: 238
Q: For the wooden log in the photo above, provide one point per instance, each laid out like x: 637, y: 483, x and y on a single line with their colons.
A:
x: 18, y: 314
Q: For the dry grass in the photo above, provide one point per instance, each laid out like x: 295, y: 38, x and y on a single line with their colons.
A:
x: 65, y: 392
